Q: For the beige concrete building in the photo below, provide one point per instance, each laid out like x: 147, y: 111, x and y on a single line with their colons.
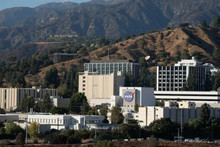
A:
x: 10, y: 98
x: 99, y: 88
x: 185, y: 112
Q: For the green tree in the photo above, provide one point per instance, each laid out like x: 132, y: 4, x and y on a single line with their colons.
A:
x: 76, y: 102
x: 204, y: 24
x: 177, y: 57
x: 104, y: 111
x: 217, y: 81
x: 2, y: 111
x: 12, y: 129
x: 204, y: 115
x: 144, y: 73
x: 191, y: 83
x: 216, y: 22
x: 130, y: 130
x: 152, y: 141
x: 92, y: 111
x: 129, y: 80
x: 198, y: 55
x: 45, y: 103
x: 20, y: 139
x: 116, y: 115
x: 85, y: 107
x: 185, y: 54
x: 183, y: 25
x: 59, y: 110
x: 26, y: 103
x: 2, y: 133
x: 216, y: 54
x: 34, y: 66
x: 163, y: 128
x: 136, y: 107
x: 208, y: 84
x: 33, y: 130
x: 51, y: 78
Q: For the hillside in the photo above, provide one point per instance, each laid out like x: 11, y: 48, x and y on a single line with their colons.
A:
x: 156, y: 45
x: 117, y: 19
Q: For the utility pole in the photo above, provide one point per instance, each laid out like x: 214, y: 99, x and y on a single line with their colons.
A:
x: 108, y: 54
x: 96, y: 123
x: 181, y: 124
x: 26, y: 141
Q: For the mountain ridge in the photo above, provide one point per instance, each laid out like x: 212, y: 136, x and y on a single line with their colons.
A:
x: 110, y: 21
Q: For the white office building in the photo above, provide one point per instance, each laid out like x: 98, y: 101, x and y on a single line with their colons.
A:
x: 173, y: 78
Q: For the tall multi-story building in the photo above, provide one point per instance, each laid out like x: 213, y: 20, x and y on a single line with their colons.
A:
x: 103, y: 67
x: 173, y: 78
x: 10, y: 98
x: 99, y: 88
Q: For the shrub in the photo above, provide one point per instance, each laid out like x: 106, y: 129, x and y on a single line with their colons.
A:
x: 73, y: 139
x: 20, y: 139
x: 152, y: 141
x: 35, y: 141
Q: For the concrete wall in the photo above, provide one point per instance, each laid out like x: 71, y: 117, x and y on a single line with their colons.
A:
x: 99, y: 86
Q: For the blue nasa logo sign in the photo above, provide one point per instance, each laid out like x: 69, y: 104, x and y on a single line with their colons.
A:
x: 128, y: 96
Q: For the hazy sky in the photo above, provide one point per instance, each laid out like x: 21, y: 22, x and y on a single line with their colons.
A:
x: 30, y: 3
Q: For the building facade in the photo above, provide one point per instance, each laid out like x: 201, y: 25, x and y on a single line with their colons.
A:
x: 103, y: 67
x: 143, y: 96
x: 10, y: 98
x: 183, y: 113
x: 99, y: 88
x: 174, y: 78
x: 193, y: 96
x: 60, y: 122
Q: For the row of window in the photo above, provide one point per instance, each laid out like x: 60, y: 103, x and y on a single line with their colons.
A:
x: 172, y: 68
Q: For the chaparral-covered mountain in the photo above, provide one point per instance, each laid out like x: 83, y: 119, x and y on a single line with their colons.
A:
x: 110, y: 19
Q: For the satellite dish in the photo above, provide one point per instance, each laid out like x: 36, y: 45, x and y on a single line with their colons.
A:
x: 147, y: 58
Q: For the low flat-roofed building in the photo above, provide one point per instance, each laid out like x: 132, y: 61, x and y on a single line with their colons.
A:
x: 147, y: 115
x: 65, y: 121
